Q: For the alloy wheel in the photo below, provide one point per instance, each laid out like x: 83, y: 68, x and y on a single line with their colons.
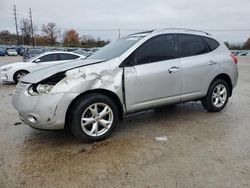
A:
x: 97, y: 119
x: 219, y: 95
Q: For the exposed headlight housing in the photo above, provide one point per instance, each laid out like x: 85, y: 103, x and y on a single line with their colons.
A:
x: 46, y: 85
x: 43, y: 89
x: 40, y: 89
x: 5, y: 69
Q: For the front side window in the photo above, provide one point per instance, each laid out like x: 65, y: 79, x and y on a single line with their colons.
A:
x: 49, y: 57
x: 190, y: 45
x: 159, y: 48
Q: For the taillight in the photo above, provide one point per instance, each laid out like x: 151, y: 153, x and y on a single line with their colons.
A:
x: 234, y: 58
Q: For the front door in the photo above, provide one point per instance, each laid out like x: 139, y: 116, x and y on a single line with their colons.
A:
x: 154, y: 75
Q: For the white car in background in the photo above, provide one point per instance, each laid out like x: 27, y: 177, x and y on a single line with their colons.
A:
x: 11, y: 52
x: 13, y: 72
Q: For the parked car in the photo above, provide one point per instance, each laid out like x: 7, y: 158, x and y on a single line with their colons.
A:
x: 243, y: 54
x: 70, y: 49
x: 15, y: 71
x: 2, y: 52
x: 95, y: 49
x: 31, y: 52
x: 138, y: 72
x: 11, y: 52
x: 21, y: 52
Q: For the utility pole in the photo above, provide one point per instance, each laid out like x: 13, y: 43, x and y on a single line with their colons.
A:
x: 32, y: 34
x: 17, y: 36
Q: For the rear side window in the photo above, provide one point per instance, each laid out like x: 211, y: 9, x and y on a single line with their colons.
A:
x: 213, y: 44
x: 160, y: 48
x: 190, y: 45
x: 63, y: 56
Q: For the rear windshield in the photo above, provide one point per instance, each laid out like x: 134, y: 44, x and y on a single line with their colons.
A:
x: 115, y: 49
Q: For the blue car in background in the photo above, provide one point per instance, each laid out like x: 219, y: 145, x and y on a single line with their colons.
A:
x: 2, y: 52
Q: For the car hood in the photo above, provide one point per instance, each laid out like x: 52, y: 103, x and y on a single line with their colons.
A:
x: 42, y: 74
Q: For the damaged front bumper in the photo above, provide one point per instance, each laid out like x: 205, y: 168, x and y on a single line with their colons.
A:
x: 42, y: 111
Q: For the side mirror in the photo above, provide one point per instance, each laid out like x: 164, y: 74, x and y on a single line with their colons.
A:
x: 37, y: 60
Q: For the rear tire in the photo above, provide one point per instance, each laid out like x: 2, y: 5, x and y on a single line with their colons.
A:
x: 18, y: 75
x: 94, y: 117
x: 217, y: 96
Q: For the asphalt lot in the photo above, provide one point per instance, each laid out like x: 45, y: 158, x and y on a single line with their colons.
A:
x: 202, y: 149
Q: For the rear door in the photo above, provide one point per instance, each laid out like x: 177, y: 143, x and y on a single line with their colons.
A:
x: 153, y: 77
x: 199, y: 65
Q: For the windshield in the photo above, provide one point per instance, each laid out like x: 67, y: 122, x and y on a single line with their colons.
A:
x: 115, y: 49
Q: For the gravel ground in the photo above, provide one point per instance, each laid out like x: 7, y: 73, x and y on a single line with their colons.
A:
x: 202, y: 149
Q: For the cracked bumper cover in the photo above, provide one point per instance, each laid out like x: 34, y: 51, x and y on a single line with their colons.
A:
x: 43, y: 111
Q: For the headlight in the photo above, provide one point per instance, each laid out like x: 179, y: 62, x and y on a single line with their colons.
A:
x: 45, y: 85
x: 43, y: 89
x: 40, y: 89
x: 5, y: 69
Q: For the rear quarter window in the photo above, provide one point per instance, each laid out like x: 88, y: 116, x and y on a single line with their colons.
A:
x: 213, y: 44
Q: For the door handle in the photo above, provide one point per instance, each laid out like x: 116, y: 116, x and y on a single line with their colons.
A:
x: 212, y: 63
x: 174, y: 69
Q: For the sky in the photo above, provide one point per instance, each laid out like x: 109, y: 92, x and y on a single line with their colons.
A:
x: 103, y: 18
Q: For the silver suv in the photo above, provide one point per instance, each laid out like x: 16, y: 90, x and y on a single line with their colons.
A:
x: 137, y: 72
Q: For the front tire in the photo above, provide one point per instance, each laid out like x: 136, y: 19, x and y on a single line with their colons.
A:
x: 217, y: 96
x: 95, y: 116
x: 18, y: 75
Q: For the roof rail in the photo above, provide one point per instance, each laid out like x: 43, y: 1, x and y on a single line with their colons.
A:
x: 142, y: 33
x: 194, y: 30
